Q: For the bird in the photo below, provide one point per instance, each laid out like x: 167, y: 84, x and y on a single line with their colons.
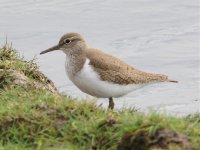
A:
x: 100, y: 74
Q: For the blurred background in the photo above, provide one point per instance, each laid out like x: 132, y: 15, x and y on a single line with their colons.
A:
x: 152, y: 35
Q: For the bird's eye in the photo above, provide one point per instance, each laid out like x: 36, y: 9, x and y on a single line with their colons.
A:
x: 67, y: 41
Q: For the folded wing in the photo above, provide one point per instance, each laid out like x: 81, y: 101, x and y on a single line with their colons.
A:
x: 116, y: 71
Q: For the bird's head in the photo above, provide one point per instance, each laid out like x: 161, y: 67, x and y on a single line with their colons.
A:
x: 68, y: 42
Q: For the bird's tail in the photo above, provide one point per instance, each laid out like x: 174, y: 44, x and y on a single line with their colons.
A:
x: 174, y: 81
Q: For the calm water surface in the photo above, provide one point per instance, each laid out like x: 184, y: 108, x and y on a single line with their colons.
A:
x: 153, y: 35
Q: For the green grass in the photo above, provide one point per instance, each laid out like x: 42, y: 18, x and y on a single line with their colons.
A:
x: 38, y: 119
x: 10, y: 59
x: 35, y: 118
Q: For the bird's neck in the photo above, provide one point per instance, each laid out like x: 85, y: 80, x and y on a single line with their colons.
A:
x: 75, y: 61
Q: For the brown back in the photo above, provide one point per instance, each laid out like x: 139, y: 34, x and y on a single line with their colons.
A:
x: 114, y: 70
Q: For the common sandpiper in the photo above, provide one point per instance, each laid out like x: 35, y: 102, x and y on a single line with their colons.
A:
x: 99, y: 74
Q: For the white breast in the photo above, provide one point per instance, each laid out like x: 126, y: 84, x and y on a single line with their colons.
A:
x: 88, y: 81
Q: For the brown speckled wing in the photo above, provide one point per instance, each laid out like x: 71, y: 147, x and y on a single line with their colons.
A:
x: 116, y: 71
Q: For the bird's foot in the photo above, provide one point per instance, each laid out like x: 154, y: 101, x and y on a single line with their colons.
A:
x: 111, y: 103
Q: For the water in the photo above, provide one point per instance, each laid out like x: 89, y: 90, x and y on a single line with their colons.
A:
x: 153, y: 35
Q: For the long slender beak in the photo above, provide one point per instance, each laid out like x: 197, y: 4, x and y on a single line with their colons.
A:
x: 56, y: 47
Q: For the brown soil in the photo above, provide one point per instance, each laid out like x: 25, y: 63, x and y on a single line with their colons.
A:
x: 163, y: 139
x: 14, y: 77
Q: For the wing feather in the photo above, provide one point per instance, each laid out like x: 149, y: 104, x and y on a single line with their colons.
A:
x: 115, y: 70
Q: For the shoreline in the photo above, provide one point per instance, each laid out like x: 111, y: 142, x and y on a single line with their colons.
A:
x: 38, y: 117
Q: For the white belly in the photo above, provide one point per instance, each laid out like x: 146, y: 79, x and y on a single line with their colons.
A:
x: 88, y: 81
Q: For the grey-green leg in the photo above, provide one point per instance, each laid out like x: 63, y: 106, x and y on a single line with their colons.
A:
x: 111, y: 103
